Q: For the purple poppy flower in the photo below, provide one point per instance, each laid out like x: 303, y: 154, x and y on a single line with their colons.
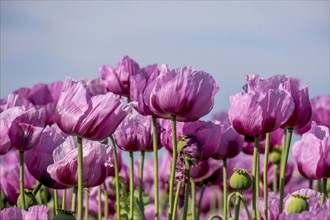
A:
x: 135, y: 133
x: 184, y: 92
x: 207, y: 133
x: 92, y: 117
x: 256, y: 113
x: 14, y: 100
x: 303, y: 110
x: 96, y: 160
x: 9, y: 176
x: 320, y: 113
x: 117, y: 80
x: 41, y: 156
x: 95, y: 87
x: 207, y: 172
x: 314, y: 165
x: 210, y: 199
x: 141, y: 87
x: 39, y: 212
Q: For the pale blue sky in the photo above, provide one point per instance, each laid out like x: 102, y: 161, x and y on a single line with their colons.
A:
x: 47, y: 41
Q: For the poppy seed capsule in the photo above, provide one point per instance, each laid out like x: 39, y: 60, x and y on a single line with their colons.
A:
x: 275, y: 156
x: 298, y: 204
x: 240, y: 180
x: 30, y: 200
x: 64, y: 215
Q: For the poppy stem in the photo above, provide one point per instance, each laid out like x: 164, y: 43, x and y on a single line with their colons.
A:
x: 246, y: 207
x: 283, y: 164
x: 173, y: 166
x: 56, y: 201
x: 176, y: 200
x: 310, y: 182
x: 187, y: 189
x: 228, y: 203
x: 64, y: 200
x: 155, y: 149
x: 224, y: 168
x: 106, y: 205
x: 141, y: 181
x: 21, y: 176
x: 131, y: 186
x: 116, y: 178
x: 74, y: 199
x: 193, y: 198
x: 215, y: 217
x: 36, y: 190
x: 267, y: 146
x: 237, y: 204
x: 99, y: 203
x: 200, y: 201
x: 324, y: 191
x: 86, y: 204
x: 255, y: 176
x: 275, y: 178
x: 80, y: 178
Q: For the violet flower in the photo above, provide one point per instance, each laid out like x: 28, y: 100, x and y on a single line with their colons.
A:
x: 92, y: 117
x: 208, y: 172
x: 313, y: 165
x: 141, y: 87
x: 96, y: 160
x: 117, y: 80
x: 207, y: 133
x: 14, y: 100
x: 39, y: 212
x: 183, y: 92
x: 41, y: 156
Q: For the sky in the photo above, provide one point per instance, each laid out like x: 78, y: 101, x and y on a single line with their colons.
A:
x: 45, y: 41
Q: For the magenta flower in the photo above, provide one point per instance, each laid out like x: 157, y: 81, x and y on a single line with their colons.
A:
x: 14, y: 100
x: 39, y: 212
x: 320, y: 113
x: 117, y: 80
x: 303, y: 110
x: 183, y: 92
x: 41, y: 156
x: 96, y: 160
x: 314, y: 165
x: 92, y: 117
x: 207, y: 133
x: 208, y: 172
x: 9, y: 176
x: 256, y: 113
x: 135, y: 133
x: 141, y: 87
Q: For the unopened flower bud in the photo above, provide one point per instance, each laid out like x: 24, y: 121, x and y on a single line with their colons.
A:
x: 30, y: 200
x: 240, y: 180
x: 275, y: 156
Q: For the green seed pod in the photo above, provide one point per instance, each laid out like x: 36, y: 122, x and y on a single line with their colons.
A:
x: 43, y: 196
x: 64, y: 215
x: 30, y: 200
x: 275, y: 156
x: 240, y: 180
x: 298, y: 204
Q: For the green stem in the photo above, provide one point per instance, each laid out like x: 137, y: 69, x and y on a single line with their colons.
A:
x: 228, y: 203
x: 237, y: 204
x: 21, y: 176
x: 106, y: 205
x: 155, y: 149
x: 275, y: 178
x: 266, y: 176
x: 255, y: 176
x: 283, y: 165
x: 173, y: 166
x: 80, y: 178
x: 131, y: 185
x: 193, y: 197
x: 86, y: 204
x: 35, y: 191
x: 64, y: 200
x: 200, y: 201
x: 324, y: 191
x: 176, y: 201
x: 224, y: 168
x: 319, y: 185
x: 310, y: 184
x: 215, y: 217
x: 246, y: 207
x: 141, y: 181
x: 56, y: 201
x: 116, y: 178
x: 99, y: 202
x: 74, y: 199
x: 187, y: 189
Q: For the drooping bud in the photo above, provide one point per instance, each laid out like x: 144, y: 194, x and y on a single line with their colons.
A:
x: 240, y: 180
x: 30, y: 200
x: 275, y: 156
x: 64, y: 215
x: 298, y: 204
x: 189, y: 148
